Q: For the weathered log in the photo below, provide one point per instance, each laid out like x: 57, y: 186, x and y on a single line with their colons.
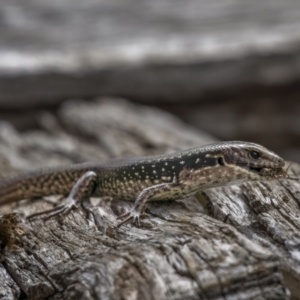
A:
x: 145, y: 51
x: 267, y: 213
x: 179, y: 252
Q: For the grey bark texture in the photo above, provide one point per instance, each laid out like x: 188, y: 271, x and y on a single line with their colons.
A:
x: 239, y: 242
x: 145, y: 50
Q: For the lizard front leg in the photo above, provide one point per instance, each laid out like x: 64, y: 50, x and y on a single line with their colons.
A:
x: 82, y: 189
x: 143, y: 198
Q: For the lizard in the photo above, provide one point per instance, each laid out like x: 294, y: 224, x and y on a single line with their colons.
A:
x: 143, y: 179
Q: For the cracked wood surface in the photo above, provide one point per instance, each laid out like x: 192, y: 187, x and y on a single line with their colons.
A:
x: 244, y: 243
x: 267, y: 213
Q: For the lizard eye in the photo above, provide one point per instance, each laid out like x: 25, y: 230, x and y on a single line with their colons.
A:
x: 254, y: 154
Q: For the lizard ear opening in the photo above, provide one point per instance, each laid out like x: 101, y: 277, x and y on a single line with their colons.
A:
x: 221, y: 161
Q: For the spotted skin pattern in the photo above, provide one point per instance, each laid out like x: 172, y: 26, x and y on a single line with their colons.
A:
x: 162, y: 177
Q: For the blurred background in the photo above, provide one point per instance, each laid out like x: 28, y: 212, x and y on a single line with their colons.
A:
x: 230, y: 68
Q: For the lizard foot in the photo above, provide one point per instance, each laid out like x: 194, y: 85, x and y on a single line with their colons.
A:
x: 131, y: 215
x: 61, y: 209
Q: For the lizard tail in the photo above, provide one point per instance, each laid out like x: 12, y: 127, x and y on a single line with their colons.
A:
x: 10, y: 192
x: 37, y: 184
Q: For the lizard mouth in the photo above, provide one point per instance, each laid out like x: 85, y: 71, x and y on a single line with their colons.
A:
x: 255, y: 169
x: 269, y: 173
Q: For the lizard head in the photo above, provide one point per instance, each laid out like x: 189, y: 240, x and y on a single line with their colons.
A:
x: 253, y: 161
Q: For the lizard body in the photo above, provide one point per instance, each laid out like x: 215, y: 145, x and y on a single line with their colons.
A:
x: 161, y: 177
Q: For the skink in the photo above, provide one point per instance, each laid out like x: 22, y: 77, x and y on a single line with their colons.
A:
x: 161, y: 177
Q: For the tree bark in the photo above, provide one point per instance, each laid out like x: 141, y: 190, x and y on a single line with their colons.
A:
x: 244, y: 243
x: 267, y: 213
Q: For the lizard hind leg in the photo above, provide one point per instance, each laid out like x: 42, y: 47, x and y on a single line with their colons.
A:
x: 141, y: 201
x: 81, y: 190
